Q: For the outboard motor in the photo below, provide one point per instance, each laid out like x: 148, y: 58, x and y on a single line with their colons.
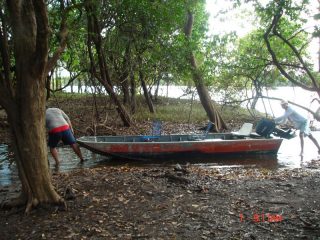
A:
x: 265, y: 127
x: 287, y: 134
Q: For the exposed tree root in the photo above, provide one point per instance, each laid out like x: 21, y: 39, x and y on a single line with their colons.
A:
x: 31, y: 204
x: 60, y: 203
x: 69, y: 193
x: 14, y: 202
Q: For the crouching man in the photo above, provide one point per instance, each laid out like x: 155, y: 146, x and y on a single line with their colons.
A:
x: 60, y: 129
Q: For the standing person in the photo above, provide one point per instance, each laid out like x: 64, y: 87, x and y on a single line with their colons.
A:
x: 60, y: 128
x: 299, y: 122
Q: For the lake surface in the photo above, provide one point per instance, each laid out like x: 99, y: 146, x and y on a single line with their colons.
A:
x: 7, y: 170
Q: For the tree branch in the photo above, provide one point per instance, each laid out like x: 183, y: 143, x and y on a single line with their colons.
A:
x: 272, y: 28
x: 68, y: 83
x: 6, y: 90
x: 42, y: 45
x: 272, y: 98
x: 63, y: 35
x: 4, y: 49
x: 189, y: 25
x: 298, y: 55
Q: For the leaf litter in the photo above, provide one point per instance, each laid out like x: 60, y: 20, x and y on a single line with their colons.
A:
x: 171, y: 203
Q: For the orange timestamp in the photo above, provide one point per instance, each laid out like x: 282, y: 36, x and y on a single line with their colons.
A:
x: 263, y: 217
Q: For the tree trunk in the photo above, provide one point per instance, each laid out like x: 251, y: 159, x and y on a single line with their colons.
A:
x: 124, y: 76
x: 94, y: 36
x: 79, y: 86
x: 146, y: 93
x: 71, y: 86
x: 26, y: 114
x: 22, y: 94
x: 133, y: 102
x: 29, y: 141
x: 125, y: 90
x: 213, y: 114
x: 156, y: 92
x: 48, y: 83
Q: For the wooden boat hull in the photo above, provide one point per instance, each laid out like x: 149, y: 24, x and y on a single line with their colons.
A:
x: 151, y: 147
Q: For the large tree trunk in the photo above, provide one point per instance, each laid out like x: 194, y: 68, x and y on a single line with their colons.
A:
x: 213, y: 114
x: 22, y: 94
x: 29, y: 141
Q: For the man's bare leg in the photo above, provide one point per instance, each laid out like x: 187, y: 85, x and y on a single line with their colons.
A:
x: 77, y: 151
x: 301, y: 143
x: 55, y: 155
x: 315, y: 142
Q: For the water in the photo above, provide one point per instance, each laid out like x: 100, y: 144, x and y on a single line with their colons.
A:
x: 69, y: 161
x: 6, y: 170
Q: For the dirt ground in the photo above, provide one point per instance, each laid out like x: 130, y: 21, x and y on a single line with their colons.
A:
x: 181, y: 202
x: 176, y: 203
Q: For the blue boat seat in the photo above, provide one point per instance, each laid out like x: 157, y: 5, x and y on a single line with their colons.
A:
x: 156, y: 128
x: 149, y: 138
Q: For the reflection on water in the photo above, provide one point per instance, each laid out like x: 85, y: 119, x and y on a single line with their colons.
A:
x: 288, y: 157
x: 5, y: 171
x: 289, y: 152
x: 69, y: 160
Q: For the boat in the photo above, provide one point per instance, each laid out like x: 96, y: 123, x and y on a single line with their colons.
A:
x: 181, y: 146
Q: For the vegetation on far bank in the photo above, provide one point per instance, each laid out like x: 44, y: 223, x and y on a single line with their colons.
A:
x: 90, y: 113
x: 101, y: 110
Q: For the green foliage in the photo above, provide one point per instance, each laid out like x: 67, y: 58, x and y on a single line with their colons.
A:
x: 236, y: 64
x: 144, y: 35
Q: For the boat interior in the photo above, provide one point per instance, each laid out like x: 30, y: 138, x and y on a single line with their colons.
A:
x: 245, y: 132
x: 172, y: 138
